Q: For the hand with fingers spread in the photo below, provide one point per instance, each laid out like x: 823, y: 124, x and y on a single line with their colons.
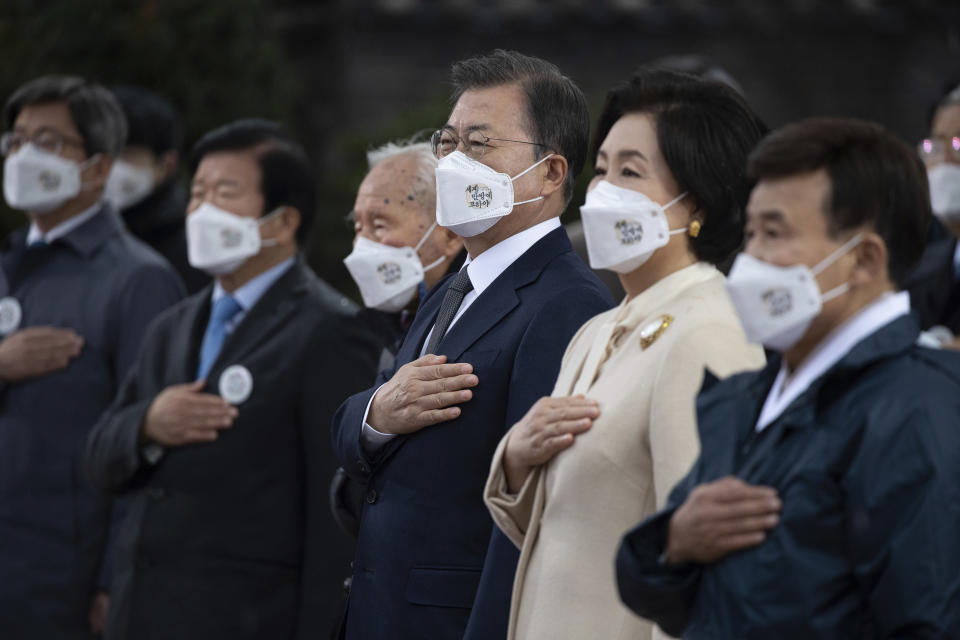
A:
x: 36, y: 351
x: 549, y: 427
x: 420, y: 394
x: 182, y: 414
x: 719, y: 518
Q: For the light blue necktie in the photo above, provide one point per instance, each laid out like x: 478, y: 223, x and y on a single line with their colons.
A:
x: 221, y: 313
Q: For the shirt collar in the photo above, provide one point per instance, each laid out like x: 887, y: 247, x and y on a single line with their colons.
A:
x: 35, y: 235
x: 488, y: 266
x: 252, y: 290
x: 829, y: 352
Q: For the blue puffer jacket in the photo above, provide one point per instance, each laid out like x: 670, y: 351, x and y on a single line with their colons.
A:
x: 867, y: 465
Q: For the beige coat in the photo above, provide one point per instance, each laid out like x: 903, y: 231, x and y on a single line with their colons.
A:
x: 643, y: 362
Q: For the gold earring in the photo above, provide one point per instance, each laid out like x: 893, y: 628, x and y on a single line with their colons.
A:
x: 694, y: 230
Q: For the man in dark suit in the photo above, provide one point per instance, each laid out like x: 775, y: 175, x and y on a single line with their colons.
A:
x: 490, y: 338
x: 77, y: 293
x: 218, y: 435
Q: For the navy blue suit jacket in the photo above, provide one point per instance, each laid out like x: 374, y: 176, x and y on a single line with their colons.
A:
x: 430, y: 563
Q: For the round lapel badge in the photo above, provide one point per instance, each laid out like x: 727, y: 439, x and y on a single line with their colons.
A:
x: 10, y: 315
x: 236, y: 384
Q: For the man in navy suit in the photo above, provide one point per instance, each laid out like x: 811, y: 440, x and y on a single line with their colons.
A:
x: 485, y: 345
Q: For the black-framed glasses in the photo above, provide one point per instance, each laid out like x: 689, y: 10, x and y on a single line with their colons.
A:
x: 45, y: 139
x: 445, y: 141
x: 937, y: 149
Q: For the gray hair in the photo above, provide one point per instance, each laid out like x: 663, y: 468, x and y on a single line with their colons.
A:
x: 95, y: 111
x: 426, y: 163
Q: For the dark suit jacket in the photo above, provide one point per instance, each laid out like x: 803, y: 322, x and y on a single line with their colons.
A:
x: 934, y: 289
x: 107, y: 286
x: 232, y: 539
x: 429, y: 562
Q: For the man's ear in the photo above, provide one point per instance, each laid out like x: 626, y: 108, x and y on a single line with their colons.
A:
x: 452, y: 244
x: 554, y: 175
x: 289, y: 222
x: 871, y: 254
x: 98, y: 170
x: 167, y: 164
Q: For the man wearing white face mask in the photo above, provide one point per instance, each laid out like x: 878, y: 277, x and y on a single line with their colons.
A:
x: 218, y: 435
x: 485, y: 345
x: 399, y: 250
x: 824, y: 501
x: 934, y: 285
x: 77, y: 295
x: 144, y: 184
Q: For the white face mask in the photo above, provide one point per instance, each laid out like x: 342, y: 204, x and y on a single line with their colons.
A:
x: 38, y: 181
x: 777, y: 304
x: 945, y: 191
x: 388, y: 276
x: 623, y: 228
x: 472, y: 197
x: 127, y: 185
x: 219, y: 242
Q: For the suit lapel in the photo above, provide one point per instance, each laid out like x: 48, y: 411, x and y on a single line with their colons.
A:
x: 500, y: 298
x: 186, y: 339
x: 270, y: 312
x: 423, y: 322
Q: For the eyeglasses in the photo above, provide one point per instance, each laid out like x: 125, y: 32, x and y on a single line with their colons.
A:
x: 934, y: 149
x: 445, y: 141
x: 46, y: 139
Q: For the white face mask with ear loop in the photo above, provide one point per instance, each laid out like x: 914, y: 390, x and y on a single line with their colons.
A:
x: 127, y: 184
x: 472, y: 197
x: 777, y: 304
x: 623, y: 228
x: 388, y: 276
x: 945, y: 191
x: 37, y: 181
x: 219, y: 242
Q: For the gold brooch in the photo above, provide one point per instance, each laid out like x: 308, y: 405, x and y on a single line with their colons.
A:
x: 650, y: 333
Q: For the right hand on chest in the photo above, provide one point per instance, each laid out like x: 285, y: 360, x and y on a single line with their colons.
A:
x: 183, y: 414
x: 420, y: 394
x: 35, y: 351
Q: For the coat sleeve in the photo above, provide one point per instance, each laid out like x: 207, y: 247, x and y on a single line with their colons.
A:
x: 326, y: 550
x: 535, y: 369
x: 904, y: 517
x: 512, y: 513
x: 112, y: 458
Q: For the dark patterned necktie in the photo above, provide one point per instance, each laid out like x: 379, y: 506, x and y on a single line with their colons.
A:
x: 452, y: 300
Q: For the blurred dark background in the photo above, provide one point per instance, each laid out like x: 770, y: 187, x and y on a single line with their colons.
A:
x: 349, y: 76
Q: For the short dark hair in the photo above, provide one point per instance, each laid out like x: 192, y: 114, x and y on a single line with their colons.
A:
x: 705, y: 131
x: 876, y: 180
x: 152, y: 120
x: 286, y: 178
x: 95, y: 112
x: 557, y: 115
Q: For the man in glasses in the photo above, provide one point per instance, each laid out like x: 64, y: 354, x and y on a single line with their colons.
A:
x: 935, y: 284
x: 76, y: 296
x: 485, y: 344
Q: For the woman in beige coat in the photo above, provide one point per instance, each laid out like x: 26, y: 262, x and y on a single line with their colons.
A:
x: 665, y: 207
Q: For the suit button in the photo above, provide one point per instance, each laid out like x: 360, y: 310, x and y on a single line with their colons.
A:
x: 346, y: 584
x: 372, y: 496
x: 156, y: 493
x: 363, y: 466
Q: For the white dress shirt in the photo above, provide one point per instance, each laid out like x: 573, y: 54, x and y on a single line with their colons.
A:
x: 483, y: 271
x: 34, y: 234
x: 787, y: 388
